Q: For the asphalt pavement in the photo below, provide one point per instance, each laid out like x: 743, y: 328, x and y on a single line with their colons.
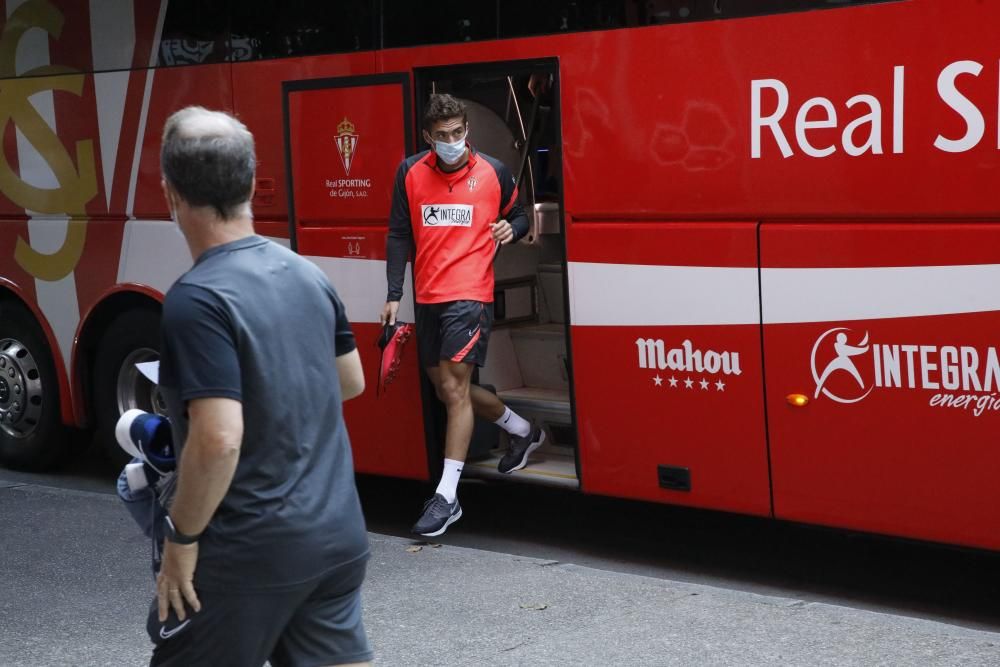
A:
x: 75, y: 586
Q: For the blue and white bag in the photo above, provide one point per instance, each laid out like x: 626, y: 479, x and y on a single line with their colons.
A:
x: 146, y: 485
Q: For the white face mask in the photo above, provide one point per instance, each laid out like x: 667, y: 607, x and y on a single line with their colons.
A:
x: 450, y: 153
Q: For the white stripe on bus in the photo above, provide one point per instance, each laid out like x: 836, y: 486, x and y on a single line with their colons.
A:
x: 144, y: 113
x: 154, y: 254
x: 112, y: 29
x: 638, y: 295
x: 361, y: 285
x: 876, y: 293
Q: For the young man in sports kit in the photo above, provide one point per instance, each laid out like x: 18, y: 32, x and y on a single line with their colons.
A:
x: 457, y: 206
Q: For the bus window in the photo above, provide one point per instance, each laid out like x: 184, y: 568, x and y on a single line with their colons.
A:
x: 523, y: 18
x: 263, y: 30
x: 728, y: 9
x: 194, y: 33
x: 439, y: 22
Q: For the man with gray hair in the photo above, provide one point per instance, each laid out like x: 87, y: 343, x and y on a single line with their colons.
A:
x: 265, y: 544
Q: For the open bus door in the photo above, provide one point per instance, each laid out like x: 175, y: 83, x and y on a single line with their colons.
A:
x: 344, y: 139
x: 513, y: 115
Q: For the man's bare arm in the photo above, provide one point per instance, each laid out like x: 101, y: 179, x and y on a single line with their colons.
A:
x: 352, y: 376
x: 208, y: 462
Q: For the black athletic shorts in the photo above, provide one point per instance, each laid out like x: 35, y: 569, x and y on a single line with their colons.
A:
x: 317, y: 623
x: 453, y: 331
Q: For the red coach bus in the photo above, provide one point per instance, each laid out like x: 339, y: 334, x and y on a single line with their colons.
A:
x: 763, y: 269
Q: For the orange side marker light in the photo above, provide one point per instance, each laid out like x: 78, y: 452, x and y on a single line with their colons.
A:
x: 797, y: 400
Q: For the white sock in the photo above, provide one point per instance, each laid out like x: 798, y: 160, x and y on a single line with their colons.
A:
x: 448, y: 486
x: 513, y: 423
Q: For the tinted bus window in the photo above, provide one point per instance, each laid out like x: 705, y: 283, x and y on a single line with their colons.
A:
x: 521, y: 18
x: 268, y: 29
x: 194, y: 33
x: 408, y: 23
x: 736, y: 8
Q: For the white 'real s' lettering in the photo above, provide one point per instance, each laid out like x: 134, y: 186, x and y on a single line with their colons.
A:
x: 975, y: 123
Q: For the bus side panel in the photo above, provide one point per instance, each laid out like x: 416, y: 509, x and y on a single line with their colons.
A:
x: 387, y: 431
x: 667, y: 363
x: 684, y: 140
x: 174, y: 88
x: 69, y: 161
x: 13, y: 274
x: 257, y: 100
x: 346, y: 139
x: 891, y: 331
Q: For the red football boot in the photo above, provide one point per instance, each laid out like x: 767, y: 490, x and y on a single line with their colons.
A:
x: 391, y: 341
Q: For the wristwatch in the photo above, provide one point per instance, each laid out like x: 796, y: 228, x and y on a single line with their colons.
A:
x: 176, y: 536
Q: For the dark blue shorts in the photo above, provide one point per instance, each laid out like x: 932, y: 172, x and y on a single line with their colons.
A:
x: 456, y: 331
x: 317, y: 623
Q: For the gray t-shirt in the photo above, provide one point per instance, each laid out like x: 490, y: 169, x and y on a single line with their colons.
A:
x: 254, y: 322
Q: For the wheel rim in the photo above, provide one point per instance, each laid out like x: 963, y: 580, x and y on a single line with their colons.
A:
x: 133, y: 390
x: 20, y: 389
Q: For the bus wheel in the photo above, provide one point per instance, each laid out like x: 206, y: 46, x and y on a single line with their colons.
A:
x: 32, y: 435
x: 132, y: 338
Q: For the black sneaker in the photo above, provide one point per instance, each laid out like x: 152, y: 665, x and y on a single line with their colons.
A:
x: 438, y: 515
x: 520, y: 448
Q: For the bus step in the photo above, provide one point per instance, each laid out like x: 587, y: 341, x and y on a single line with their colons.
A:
x: 553, y: 466
x: 546, y: 405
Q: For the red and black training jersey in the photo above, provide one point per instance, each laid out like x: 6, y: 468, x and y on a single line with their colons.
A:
x: 447, y: 216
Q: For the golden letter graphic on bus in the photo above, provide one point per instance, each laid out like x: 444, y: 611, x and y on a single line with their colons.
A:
x: 77, y: 186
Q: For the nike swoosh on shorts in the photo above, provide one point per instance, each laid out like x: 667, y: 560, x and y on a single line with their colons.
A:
x: 164, y: 634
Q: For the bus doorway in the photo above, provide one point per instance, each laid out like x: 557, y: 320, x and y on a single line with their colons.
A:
x: 513, y: 114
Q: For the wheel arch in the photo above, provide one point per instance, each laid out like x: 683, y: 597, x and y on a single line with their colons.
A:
x: 12, y: 293
x: 118, y: 300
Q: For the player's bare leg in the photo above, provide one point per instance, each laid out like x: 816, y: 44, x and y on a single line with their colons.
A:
x: 485, y: 403
x: 455, y: 380
x: 524, y: 439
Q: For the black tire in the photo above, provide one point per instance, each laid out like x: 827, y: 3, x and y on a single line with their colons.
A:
x: 132, y: 337
x: 32, y: 435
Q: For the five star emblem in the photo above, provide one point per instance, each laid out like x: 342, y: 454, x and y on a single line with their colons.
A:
x: 689, y: 383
